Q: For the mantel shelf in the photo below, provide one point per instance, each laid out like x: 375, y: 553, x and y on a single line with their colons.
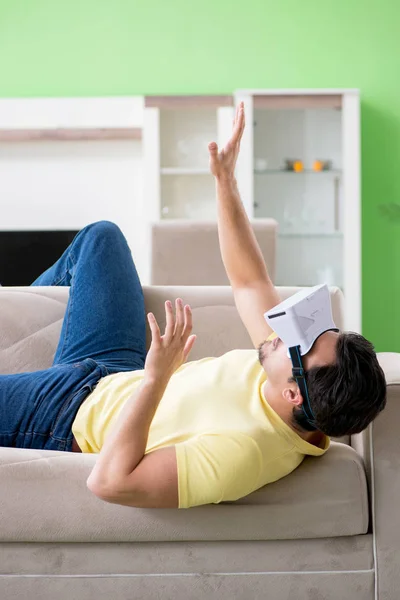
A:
x: 83, y: 134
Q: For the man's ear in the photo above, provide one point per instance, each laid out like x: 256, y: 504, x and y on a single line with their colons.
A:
x: 293, y: 395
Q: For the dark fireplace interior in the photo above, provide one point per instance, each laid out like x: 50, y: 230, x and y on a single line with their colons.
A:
x: 24, y: 255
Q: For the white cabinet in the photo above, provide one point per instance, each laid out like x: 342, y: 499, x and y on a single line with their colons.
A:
x: 299, y: 163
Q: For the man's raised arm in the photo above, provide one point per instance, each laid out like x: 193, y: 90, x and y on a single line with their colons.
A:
x: 246, y: 269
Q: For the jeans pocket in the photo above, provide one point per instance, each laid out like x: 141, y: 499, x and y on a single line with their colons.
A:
x: 76, y: 399
x: 86, y: 366
x: 63, y: 408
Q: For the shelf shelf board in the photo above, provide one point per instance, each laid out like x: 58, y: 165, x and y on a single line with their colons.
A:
x: 185, y: 171
x: 83, y: 134
x: 298, y: 101
x: 182, y: 102
x: 304, y: 172
x: 305, y: 235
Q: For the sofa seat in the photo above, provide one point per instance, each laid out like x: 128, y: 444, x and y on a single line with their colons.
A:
x: 44, y: 499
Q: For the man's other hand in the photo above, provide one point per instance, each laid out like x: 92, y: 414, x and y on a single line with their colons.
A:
x: 169, y: 351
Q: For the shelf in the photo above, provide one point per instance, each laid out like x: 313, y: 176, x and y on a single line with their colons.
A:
x: 185, y: 171
x: 179, y: 102
x: 333, y: 235
x: 305, y: 172
x: 298, y: 101
x: 84, y: 134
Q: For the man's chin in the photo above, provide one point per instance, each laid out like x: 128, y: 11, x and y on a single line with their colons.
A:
x: 263, y: 352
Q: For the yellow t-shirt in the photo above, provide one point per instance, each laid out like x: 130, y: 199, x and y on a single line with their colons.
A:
x: 229, y: 442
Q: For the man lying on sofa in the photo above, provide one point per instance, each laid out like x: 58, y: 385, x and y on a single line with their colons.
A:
x: 170, y: 434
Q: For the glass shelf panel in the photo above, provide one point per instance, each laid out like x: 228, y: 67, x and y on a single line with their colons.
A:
x: 185, y: 171
x: 311, y: 235
x: 308, y: 259
x: 309, y: 207
x: 304, y: 172
x: 185, y: 197
x: 185, y: 135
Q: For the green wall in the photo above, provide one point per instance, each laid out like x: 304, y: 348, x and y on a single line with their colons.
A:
x: 98, y: 47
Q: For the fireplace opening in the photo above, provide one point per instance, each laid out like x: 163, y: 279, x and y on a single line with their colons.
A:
x: 24, y: 255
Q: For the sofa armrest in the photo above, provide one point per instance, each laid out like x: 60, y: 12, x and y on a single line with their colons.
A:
x: 381, y: 452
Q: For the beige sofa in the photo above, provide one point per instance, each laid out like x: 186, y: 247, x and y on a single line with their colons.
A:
x: 329, y: 531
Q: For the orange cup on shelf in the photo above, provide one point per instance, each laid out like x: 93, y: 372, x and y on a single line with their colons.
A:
x: 318, y: 165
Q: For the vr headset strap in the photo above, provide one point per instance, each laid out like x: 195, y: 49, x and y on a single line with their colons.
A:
x: 299, y: 376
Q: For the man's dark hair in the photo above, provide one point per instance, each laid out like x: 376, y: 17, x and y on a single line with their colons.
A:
x: 346, y: 396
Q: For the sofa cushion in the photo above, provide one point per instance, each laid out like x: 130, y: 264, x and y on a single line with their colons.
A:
x: 44, y: 499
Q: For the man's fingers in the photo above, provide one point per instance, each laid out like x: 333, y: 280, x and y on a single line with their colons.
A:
x: 188, y: 322
x: 239, y: 125
x: 188, y: 346
x: 213, y: 149
x: 154, y: 328
x: 180, y: 318
x: 170, y: 320
x: 242, y: 119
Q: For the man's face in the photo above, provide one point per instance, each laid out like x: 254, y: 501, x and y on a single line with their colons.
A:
x: 274, y: 359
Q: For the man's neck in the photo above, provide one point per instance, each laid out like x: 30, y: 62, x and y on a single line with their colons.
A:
x: 316, y: 438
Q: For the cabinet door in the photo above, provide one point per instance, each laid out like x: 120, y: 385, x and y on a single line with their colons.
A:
x: 298, y: 181
x: 187, y: 188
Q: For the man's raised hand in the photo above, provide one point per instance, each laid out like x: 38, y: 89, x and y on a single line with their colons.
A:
x: 223, y: 162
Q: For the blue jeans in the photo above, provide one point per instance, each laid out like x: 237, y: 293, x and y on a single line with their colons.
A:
x: 103, y: 332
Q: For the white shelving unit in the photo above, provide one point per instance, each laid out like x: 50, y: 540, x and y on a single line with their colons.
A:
x: 318, y: 212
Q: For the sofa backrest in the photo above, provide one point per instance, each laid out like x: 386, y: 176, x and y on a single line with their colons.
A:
x: 31, y: 319
x: 215, y: 318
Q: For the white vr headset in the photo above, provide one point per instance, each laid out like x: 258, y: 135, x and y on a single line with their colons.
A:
x: 298, y: 322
